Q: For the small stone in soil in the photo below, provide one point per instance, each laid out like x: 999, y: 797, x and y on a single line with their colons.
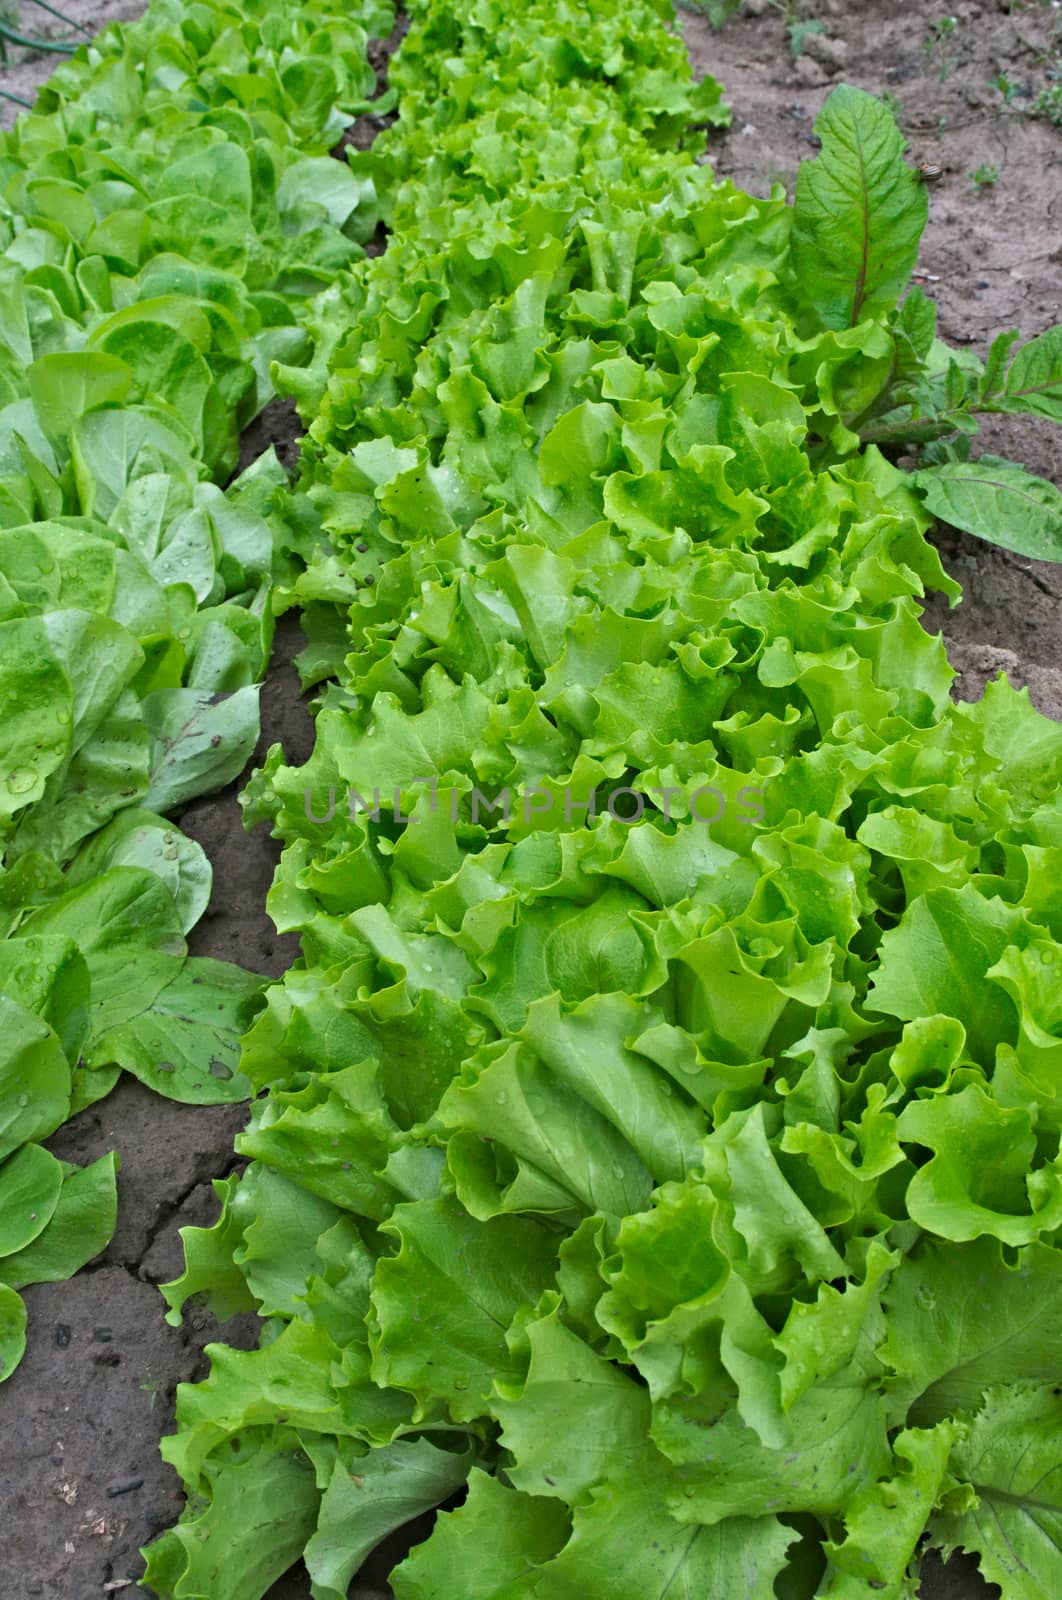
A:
x: 62, y: 1335
x: 123, y: 1486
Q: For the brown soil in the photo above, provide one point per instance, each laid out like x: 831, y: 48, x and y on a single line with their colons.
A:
x: 81, y: 1482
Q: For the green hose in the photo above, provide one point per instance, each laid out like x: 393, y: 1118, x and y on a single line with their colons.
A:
x: 70, y: 21
x: 11, y: 37
x: 32, y: 42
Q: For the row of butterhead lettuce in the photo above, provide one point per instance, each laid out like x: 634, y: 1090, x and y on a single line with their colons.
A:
x: 167, y: 212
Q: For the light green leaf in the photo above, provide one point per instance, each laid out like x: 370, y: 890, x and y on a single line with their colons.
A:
x: 34, y: 1077
x: 549, y: 1126
x: 1012, y: 1521
x: 774, y: 1222
x: 185, y: 1043
x: 112, y: 448
x: 626, y: 1546
x: 981, y: 1178
x: 30, y: 1183
x: 368, y: 1497
x: 961, y: 1318
x: 235, y: 1546
x: 80, y: 1227
x: 167, y: 368
x: 100, y: 659
x: 38, y: 703
x: 67, y: 384
x: 281, y: 1223
x: 935, y: 962
x: 201, y: 741
x: 172, y: 538
x: 334, y: 1137
x: 885, y: 1520
x: 485, y: 1549
x: 442, y: 1304
x: 48, y: 975
x: 127, y: 928
x: 584, y: 1049
x: 12, y: 1330
x: 141, y: 838
x: 210, y: 1274
x: 220, y: 173
x: 822, y: 1336
x: 321, y: 181
x: 577, y: 1420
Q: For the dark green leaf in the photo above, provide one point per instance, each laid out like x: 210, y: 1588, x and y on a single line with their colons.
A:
x: 858, y: 214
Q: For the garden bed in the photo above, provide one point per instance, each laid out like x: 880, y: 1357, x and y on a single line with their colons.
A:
x: 83, y: 1414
